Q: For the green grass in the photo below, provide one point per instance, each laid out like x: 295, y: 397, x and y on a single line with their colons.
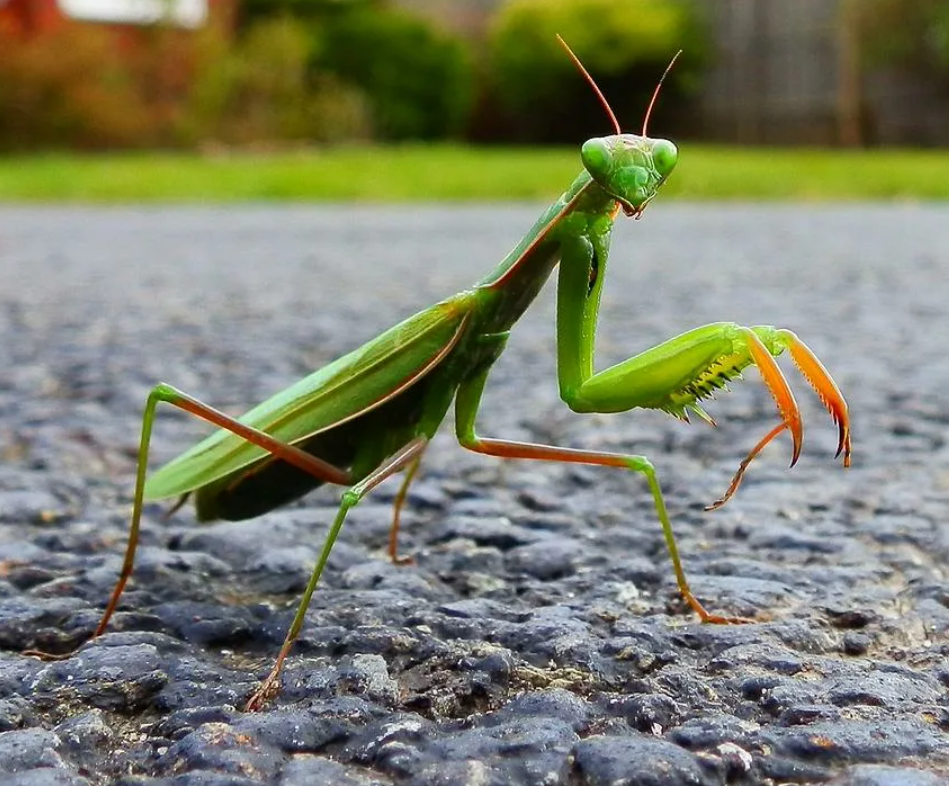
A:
x: 446, y: 173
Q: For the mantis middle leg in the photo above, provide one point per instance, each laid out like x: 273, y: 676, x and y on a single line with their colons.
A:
x: 393, y: 548
x: 467, y: 403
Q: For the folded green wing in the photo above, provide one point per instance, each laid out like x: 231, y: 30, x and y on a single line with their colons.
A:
x: 355, y: 383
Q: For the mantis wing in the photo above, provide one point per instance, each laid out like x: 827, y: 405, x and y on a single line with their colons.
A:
x: 346, y: 388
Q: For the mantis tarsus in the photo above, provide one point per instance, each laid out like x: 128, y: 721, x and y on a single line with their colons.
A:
x: 371, y: 413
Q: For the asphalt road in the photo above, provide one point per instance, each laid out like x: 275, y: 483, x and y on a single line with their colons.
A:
x: 539, y: 637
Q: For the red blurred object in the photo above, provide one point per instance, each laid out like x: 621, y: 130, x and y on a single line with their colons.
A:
x: 28, y: 18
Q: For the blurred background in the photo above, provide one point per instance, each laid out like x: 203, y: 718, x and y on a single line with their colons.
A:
x: 108, y: 74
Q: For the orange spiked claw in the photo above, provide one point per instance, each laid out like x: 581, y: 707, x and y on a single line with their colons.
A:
x: 820, y: 379
x: 780, y: 391
x: 777, y: 384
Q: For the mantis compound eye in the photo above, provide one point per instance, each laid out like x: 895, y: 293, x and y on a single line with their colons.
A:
x: 665, y: 155
x: 597, y: 158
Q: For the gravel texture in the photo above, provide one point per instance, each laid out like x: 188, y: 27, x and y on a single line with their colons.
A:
x: 539, y: 637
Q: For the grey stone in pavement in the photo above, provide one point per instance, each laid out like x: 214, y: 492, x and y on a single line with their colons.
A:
x: 539, y: 637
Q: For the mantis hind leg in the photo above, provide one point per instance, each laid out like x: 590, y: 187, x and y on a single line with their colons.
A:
x: 466, y: 410
x: 167, y: 394
x: 409, y: 455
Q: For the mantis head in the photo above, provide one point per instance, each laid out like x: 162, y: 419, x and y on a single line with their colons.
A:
x: 628, y: 167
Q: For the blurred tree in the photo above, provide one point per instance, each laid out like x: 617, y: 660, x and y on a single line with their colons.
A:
x: 308, y: 10
x: 913, y: 34
x: 418, y: 80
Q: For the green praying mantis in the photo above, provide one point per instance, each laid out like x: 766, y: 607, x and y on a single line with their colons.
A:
x: 372, y: 412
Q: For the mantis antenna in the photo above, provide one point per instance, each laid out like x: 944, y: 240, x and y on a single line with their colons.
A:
x: 599, y: 94
x: 655, y: 93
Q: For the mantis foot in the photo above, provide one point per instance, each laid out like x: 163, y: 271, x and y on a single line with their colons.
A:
x: 269, y: 688
x: 707, y: 617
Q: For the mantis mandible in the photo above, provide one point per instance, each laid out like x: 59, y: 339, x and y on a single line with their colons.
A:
x: 372, y: 412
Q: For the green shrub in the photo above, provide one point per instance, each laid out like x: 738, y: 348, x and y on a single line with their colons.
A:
x: 262, y: 90
x: 624, y: 45
x: 74, y: 88
x: 163, y: 68
x: 418, y: 81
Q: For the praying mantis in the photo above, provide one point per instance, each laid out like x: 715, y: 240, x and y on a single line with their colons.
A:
x: 372, y: 412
